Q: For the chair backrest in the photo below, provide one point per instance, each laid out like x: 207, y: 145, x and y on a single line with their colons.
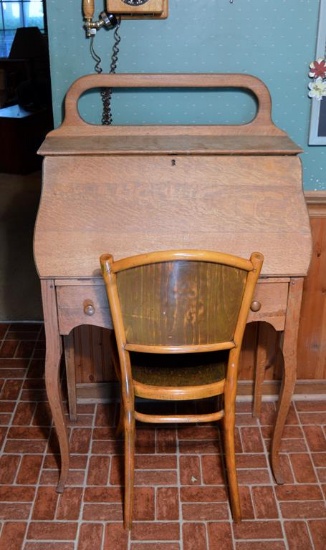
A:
x: 180, y: 301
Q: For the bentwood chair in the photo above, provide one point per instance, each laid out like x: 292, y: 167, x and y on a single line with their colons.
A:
x: 179, y: 318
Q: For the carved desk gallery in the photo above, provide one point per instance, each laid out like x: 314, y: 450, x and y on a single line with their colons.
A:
x: 132, y: 189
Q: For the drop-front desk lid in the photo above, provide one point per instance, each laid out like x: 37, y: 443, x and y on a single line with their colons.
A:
x: 132, y: 189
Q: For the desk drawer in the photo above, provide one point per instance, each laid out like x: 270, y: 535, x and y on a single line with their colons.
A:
x: 87, y: 305
x: 270, y: 303
x: 82, y: 305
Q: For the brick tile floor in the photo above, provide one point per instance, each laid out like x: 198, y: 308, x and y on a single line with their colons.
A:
x: 180, y: 496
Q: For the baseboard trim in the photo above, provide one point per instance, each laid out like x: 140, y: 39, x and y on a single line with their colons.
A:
x: 312, y: 390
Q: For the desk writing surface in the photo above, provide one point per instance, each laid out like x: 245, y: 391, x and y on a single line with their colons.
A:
x: 124, y: 205
x: 169, y: 141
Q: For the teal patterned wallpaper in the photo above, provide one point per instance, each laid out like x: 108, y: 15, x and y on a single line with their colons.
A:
x: 274, y: 40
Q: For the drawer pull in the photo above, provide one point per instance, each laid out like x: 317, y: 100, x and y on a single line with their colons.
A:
x: 255, y: 305
x: 89, y: 308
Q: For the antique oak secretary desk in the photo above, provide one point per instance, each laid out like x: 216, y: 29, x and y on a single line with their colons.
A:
x: 132, y: 189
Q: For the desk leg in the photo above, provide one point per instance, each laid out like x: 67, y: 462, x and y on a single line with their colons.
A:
x: 52, y: 375
x: 290, y: 370
x: 71, y: 375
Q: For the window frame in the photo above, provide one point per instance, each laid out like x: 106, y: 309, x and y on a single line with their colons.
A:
x: 7, y: 34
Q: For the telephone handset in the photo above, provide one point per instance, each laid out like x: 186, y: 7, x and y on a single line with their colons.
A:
x: 106, y: 19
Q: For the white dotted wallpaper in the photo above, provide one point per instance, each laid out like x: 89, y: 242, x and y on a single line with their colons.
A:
x: 274, y: 40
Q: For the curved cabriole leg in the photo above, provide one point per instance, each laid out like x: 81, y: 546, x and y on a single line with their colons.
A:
x: 289, y: 374
x: 129, y: 445
x: 229, y: 448
x: 261, y: 362
x: 68, y: 344
x: 52, y: 376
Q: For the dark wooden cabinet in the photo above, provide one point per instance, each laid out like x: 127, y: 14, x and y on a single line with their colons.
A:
x: 22, y: 132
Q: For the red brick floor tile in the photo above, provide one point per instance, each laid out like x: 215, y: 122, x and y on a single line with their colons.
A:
x: 156, y: 546
x: 254, y: 477
x: 166, y: 441
x: 264, y: 502
x: 203, y: 494
x: 29, y: 470
x: 313, y: 418
x: 10, y: 493
x: 252, y: 461
x: 102, y: 494
x: 98, y: 470
x: 181, y: 499
x: 10, y: 390
x: 25, y: 446
x: 167, y: 501
x: 257, y: 545
x: 70, y: 503
x: 24, y: 414
x: 9, y: 348
x: 303, y: 510
x: 286, y: 468
x: 155, y: 477
x: 15, y: 511
x: 251, y: 440
x: 12, y: 535
x: 159, y: 531
x: 261, y: 530
x: 155, y: 462
x: 319, y: 459
x: 145, y: 441
x: 297, y: 534
x: 80, y: 440
x: 247, y: 508
x: 90, y: 536
x: 52, y: 530
x: 49, y: 545
x: 212, y: 469
x: 316, y: 438
x: 298, y: 492
x: 8, y: 468
x: 205, y: 511
x: 220, y: 536
x: 318, y: 533
x: 194, y: 536
x: 105, y: 414
x: 310, y: 406
x: 144, y: 504
x: 190, y: 470
x: 303, y: 468
x: 116, y: 538
x: 103, y: 512
x: 45, y: 504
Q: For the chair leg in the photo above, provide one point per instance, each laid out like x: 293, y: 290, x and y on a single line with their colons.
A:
x: 229, y: 447
x: 129, y: 447
x: 120, y: 425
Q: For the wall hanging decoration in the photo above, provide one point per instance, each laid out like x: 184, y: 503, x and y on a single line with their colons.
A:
x: 317, y: 86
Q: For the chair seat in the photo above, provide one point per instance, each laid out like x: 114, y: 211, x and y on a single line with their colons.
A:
x: 179, y: 370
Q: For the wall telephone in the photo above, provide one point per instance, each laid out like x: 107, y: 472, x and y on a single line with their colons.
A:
x: 134, y: 8
x: 154, y: 9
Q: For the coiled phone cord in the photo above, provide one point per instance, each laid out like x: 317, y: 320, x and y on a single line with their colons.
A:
x: 106, y: 93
